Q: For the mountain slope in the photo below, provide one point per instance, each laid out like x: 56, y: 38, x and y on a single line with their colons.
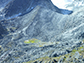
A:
x: 55, y: 34
x: 42, y: 33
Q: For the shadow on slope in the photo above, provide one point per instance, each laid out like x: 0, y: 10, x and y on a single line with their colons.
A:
x: 3, y: 31
x: 21, y: 7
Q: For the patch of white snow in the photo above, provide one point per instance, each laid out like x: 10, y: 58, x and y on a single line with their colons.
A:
x: 67, y: 4
x: 62, y: 3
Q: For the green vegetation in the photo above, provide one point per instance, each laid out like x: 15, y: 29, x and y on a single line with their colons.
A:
x: 31, y: 41
x: 74, y: 50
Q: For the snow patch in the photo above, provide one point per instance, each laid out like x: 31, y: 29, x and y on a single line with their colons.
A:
x: 67, y: 4
x: 62, y: 3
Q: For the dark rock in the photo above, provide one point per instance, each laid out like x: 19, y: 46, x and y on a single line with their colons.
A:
x: 52, y: 62
x: 81, y: 36
x: 68, y: 51
x: 40, y: 61
x: 55, y: 55
x: 3, y: 31
x: 83, y: 59
x: 66, y: 43
x: 55, y: 61
x: 36, y: 62
x: 71, y: 56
